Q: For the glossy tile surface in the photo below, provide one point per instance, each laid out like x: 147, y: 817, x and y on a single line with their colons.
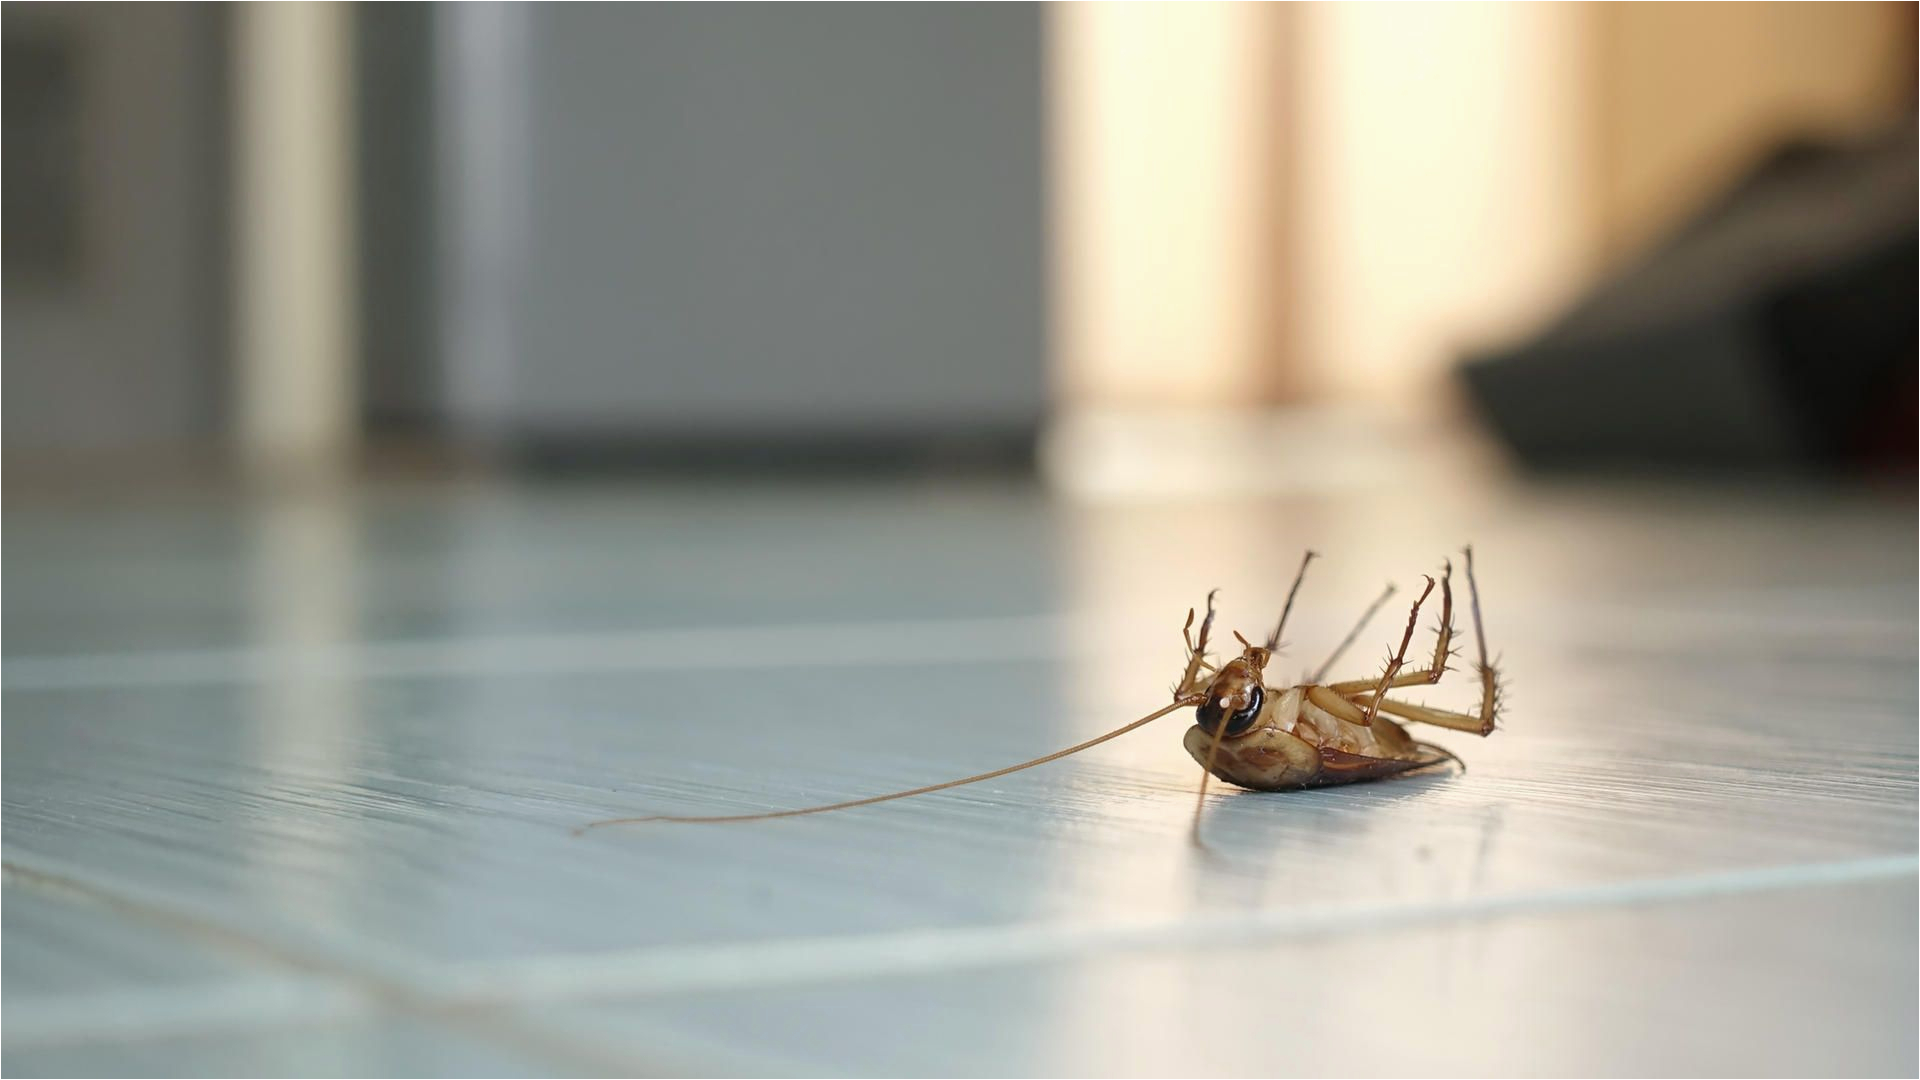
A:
x: 289, y: 786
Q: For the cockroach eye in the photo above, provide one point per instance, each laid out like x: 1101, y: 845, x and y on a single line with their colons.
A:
x: 1208, y: 716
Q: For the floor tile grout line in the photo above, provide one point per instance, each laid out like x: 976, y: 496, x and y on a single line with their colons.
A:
x: 955, y: 640
x: 363, y: 989
x: 756, y: 965
x: 261, y: 1005
x: 201, y: 1008
x: 483, y: 991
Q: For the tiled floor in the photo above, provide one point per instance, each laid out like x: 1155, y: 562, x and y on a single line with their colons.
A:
x: 289, y: 787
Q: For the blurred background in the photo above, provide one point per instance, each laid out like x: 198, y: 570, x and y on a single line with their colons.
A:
x: 429, y: 428
x: 322, y: 240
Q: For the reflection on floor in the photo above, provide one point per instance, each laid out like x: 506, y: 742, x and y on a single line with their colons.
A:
x: 289, y: 786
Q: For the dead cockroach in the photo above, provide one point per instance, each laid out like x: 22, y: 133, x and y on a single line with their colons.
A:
x: 1270, y: 738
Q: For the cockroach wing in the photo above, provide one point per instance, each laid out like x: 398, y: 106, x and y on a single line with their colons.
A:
x: 1341, y: 767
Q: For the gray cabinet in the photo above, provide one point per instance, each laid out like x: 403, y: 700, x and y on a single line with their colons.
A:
x: 678, y: 223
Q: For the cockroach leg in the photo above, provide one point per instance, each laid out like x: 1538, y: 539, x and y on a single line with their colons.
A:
x: 1442, y: 649
x: 1399, y: 658
x: 1489, y: 678
x: 1190, y: 681
x: 1372, y: 610
x: 1273, y: 640
x: 1489, y: 713
x: 1344, y: 708
x: 1187, y: 633
x: 1445, y: 718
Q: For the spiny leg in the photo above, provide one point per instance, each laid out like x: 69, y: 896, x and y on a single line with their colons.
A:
x: 1190, y: 682
x: 1481, y: 724
x: 1372, y: 610
x: 1273, y: 640
x: 1399, y: 658
x: 1489, y: 678
x: 1442, y: 649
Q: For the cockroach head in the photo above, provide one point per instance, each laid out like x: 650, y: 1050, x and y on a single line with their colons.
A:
x: 1235, y: 696
x: 1254, y: 657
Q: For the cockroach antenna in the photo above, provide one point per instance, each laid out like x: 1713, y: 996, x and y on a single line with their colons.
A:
x: 927, y: 790
x: 1273, y: 640
x: 1365, y: 618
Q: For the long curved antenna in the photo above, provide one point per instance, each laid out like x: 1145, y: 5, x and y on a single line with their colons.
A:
x: 1273, y: 641
x: 1055, y: 756
x: 1351, y: 634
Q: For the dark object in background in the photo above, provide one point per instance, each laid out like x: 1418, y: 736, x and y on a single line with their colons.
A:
x: 116, y: 241
x: 1776, y: 330
x: 42, y: 124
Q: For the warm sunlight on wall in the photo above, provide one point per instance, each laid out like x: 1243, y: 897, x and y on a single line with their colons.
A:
x: 295, y: 323
x: 1689, y: 94
x: 1440, y: 195
x: 1256, y: 204
x: 1165, y: 137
